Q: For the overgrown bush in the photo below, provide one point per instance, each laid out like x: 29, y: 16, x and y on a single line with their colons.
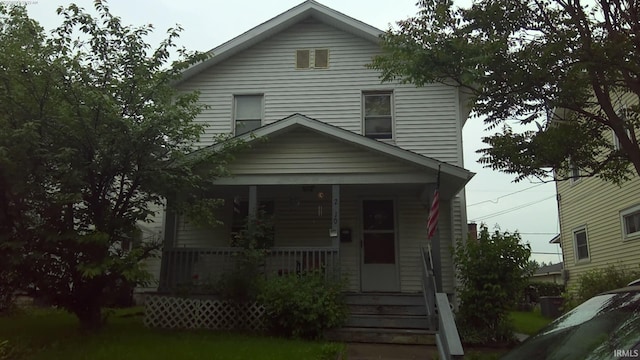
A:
x: 242, y: 284
x: 596, y: 281
x: 547, y: 289
x: 493, y: 272
x: 304, y: 305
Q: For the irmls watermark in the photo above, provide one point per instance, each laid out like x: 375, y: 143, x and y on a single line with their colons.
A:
x: 18, y: 2
x: 626, y: 353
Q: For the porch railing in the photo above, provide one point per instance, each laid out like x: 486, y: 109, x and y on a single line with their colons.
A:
x: 188, y: 267
x: 439, y: 314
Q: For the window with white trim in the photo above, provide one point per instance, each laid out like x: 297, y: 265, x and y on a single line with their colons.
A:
x: 247, y: 113
x: 378, y: 115
x: 616, y: 140
x: 581, y: 244
x: 630, y: 222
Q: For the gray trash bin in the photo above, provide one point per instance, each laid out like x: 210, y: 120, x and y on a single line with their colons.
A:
x: 550, y: 306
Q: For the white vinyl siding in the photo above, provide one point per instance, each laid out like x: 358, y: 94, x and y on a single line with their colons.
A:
x: 425, y: 118
x: 303, y: 152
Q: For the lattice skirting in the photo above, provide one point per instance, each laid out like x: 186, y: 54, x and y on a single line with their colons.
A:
x: 171, y: 312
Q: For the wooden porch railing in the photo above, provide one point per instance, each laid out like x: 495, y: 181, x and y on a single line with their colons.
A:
x: 204, y: 266
x: 439, y: 315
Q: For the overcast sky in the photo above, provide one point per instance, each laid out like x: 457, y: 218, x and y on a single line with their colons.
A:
x: 492, y: 198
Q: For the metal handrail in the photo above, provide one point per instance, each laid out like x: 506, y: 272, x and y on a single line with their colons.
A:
x: 438, y: 308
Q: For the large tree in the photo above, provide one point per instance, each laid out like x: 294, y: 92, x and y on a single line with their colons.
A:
x: 572, y: 68
x: 93, y: 137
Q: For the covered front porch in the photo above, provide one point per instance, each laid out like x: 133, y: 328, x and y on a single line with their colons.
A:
x: 369, y: 234
x: 341, y: 203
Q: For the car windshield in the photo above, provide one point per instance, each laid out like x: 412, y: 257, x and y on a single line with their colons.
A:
x: 604, y: 327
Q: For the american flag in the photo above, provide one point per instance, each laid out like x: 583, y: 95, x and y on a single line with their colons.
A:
x: 434, y: 211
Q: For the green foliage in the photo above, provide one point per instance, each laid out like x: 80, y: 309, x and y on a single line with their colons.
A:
x: 562, y: 66
x: 596, y: 281
x: 242, y: 284
x: 303, y: 306
x: 547, y: 289
x: 94, y: 138
x: 493, y: 272
x: 528, y: 322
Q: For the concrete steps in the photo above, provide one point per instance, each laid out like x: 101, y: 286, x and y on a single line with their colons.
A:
x: 392, y: 318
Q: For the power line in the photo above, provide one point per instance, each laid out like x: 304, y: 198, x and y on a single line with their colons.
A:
x: 505, y: 211
x: 503, y: 196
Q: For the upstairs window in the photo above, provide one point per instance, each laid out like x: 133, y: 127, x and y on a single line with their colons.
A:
x: 378, y: 119
x: 312, y: 59
x: 574, y: 172
x: 248, y: 113
x: 631, y: 222
x: 581, y: 244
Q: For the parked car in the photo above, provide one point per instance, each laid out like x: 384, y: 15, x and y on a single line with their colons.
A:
x: 607, y: 326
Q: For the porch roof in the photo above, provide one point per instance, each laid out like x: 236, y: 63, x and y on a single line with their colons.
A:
x: 421, y: 169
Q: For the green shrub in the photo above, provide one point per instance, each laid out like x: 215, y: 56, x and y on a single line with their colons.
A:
x: 303, y: 306
x: 548, y: 289
x: 493, y: 272
x: 595, y: 281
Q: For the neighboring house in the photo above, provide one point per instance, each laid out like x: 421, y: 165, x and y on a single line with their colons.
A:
x: 599, y: 222
x: 549, y: 274
x: 347, y: 165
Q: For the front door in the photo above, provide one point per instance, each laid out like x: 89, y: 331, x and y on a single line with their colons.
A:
x: 379, y: 268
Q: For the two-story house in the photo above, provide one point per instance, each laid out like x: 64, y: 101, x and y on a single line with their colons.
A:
x: 599, y: 221
x: 346, y: 165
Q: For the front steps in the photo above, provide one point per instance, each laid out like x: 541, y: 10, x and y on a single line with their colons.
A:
x: 392, y: 318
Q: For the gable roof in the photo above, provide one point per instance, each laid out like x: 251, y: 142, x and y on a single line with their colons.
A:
x: 307, y: 9
x: 453, y: 177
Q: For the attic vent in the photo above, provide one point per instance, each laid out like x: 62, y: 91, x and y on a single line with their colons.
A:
x: 302, y: 59
x: 312, y: 59
x: 321, y: 58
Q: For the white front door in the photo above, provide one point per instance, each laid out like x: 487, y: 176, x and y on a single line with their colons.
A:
x: 379, y: 268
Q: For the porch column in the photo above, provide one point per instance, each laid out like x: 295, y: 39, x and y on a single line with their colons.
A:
x: 168, y: 243
x: 335, y: 216
x: 253, y: 204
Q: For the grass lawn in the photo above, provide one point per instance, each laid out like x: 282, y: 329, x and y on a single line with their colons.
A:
x: 528, y: 322
x: 46, y: 334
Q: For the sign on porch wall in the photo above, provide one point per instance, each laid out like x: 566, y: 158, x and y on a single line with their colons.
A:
x: 172, y: 312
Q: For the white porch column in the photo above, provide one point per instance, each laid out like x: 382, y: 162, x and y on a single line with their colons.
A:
x: 335, y: 216
x: 253, y: 206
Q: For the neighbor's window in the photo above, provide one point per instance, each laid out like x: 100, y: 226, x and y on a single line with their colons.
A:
x: 574, y: 172
x: 378, y: 119
x: 581, y: 244
x: 248, y: 113
x: 631, y: 222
